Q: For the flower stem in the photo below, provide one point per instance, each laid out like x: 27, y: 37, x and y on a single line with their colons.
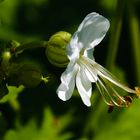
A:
x: 30, y: 45
x: 135, y: 38
x: 115, y: 34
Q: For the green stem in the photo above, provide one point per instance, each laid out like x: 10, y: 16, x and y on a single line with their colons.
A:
x: 31, y: 45
x: 135, y: 39
x: 116, y: 27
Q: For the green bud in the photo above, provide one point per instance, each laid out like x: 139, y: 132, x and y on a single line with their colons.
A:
x: 6, y: 56
x: 56, y: 49
x: 25, y: 74
x: 30, y: 76
x: 12, y: 75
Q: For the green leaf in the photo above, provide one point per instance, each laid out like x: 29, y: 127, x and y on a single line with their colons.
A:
x: 50, y: 129
x: 11, y: 97
x: 125, y: 127
x: 1, y: 1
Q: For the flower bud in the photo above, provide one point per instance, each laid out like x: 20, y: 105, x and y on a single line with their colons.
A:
x: 6, y: 56
x: 26, y: 75
x: 30, y: 76
x: 56, y: 49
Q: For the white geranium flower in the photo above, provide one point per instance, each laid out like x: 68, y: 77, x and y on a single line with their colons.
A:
x: 83, y: 70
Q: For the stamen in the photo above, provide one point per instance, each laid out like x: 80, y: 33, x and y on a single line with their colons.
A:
x: 105, y: 94
x: 137, y: 91
x: 107, y: 84
x: 110, y: 95
x: 107, y: 75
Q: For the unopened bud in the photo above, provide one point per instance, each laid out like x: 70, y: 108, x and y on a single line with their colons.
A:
x: 30, y: 76
x: 56, y: 49
x: 26, y: 75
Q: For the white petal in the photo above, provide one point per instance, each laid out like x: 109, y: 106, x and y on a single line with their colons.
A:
x: 85, y: 81
x: 69, y: 73
x: 66, y: 93
x: 89, y: 53
x: 90, y: 68
x: 84, y: 88
x: 67, y: 85
x: 74, y: 48
x: 89, y: 34
x: 61, y: 91
x: 92, y: 30
x: 91, y: 74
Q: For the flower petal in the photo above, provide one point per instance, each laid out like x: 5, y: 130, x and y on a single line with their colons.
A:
x: 89, y: 34
x: 66, y: 93
x: 89, y: 53
x: 73, y: 48
x: 84, y: 86
x: 92, y: 30
x: 90, y: 70
x: 91, y: 74
x: 66, y: 88
x: 85, y: 81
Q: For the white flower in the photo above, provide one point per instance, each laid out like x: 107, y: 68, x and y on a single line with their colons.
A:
x: 83, y: 70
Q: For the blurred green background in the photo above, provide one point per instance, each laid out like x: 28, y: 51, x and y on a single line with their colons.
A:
x: 37, y: 113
